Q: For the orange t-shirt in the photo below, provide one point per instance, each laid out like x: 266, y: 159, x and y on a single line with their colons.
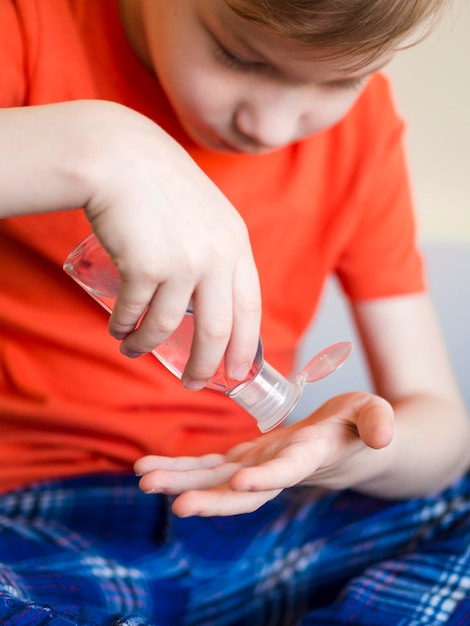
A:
x: 337, y: 202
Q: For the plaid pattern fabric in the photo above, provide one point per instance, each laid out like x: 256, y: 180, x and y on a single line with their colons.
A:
x: 95, y: 551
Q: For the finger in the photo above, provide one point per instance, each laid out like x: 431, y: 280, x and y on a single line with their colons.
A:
x: 180, y: 463
x: 375, y: 423
x: 132, y: 300
x: 293, y: 465
x: 163, y: 317
x: 240, y: 451
x: 212, y: 306
x: 221, y: 501
x: 243, y: 345
x: 176, y: 482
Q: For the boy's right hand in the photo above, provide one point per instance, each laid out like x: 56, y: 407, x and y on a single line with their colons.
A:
x: 173, y: 236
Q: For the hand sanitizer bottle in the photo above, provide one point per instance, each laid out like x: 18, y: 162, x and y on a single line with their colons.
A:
x: 265, y: 393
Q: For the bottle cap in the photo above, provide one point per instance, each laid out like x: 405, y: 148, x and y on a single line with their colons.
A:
x: 269, y: 397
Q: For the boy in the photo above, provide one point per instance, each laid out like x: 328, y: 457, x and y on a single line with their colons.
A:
x: 133, y: 112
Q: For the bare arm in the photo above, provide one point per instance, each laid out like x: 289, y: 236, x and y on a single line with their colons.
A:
x: 410, y: 368
x: 170, y: 231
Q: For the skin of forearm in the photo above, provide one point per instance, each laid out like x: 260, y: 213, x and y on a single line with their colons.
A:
x: 430, y: 449
x: 47, y: 154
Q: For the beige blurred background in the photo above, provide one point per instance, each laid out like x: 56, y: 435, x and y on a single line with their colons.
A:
x: 432, y: 87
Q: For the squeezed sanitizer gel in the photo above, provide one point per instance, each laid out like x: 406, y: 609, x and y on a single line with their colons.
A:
x: 265, y: 393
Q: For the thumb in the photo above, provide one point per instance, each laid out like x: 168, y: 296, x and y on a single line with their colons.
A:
x: 375, y: 423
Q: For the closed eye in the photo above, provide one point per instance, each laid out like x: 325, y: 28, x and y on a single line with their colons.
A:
x: 234, y: 62
x: 230, y: 60
x: 348, y: 83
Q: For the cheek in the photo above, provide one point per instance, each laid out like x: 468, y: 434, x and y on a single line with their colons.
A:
x: 200, y: 97
x: 348, y: 101
x: 182, y: 83
x: 337, y: 105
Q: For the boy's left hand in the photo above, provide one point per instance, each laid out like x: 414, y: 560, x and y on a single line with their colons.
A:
x: 332, y: 448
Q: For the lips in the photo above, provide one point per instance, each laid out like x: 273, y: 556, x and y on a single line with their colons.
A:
x: 219, y: 143
x: 229, y: 146
x: 246, y: 148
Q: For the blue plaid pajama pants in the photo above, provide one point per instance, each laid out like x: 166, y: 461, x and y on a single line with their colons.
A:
x: 95, y: 551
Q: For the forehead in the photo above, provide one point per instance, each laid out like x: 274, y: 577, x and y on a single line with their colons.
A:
x: 291, y: 58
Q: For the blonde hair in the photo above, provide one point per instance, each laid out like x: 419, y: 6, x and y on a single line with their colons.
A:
x: 362, y: 29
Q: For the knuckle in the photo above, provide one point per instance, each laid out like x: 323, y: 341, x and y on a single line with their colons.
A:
x: 143, y: 270
x: 126, y: 317
x: 218, y: 331
x: 165, y: 324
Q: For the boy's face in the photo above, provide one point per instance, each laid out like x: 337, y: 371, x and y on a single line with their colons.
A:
x: 234, y: 86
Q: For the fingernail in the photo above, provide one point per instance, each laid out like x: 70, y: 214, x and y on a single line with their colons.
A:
x: 194, y: 385
x: 119, y: 336
x: 131, y: 354
x: 241, y: 371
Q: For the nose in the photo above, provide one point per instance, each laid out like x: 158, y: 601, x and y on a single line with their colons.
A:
x: 274, y: 119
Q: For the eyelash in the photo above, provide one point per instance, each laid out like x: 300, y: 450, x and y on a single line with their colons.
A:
x: 231, y: 61
x: 352, y: 83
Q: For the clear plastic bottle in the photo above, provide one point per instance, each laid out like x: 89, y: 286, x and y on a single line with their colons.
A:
x: 265, y: 393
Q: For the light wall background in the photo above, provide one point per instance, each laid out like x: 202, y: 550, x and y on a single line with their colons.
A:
x: 432, y: 88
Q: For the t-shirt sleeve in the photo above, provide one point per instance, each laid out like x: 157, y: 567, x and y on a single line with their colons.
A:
x: 12, y: 62
x: 381, y: 257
